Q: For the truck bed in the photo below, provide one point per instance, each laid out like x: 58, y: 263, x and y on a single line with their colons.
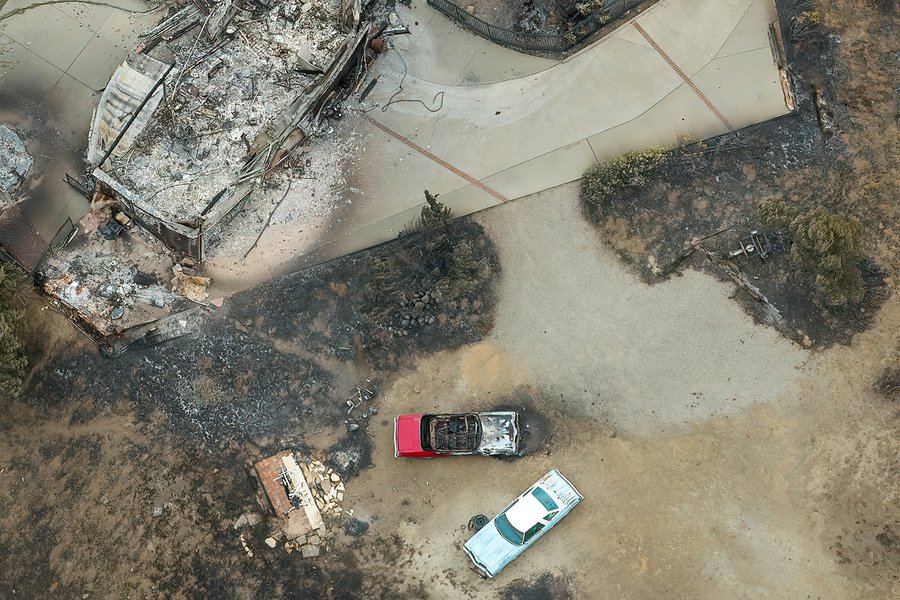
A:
x: 499, y: 433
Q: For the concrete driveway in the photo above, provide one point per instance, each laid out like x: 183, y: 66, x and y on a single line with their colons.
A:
x: 452, y: 113
x: 482, y: 125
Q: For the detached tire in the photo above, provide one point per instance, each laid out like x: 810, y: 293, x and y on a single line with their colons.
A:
x: 478, y: 521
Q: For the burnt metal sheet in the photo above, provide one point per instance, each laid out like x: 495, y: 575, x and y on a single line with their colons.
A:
x: 129, y: 86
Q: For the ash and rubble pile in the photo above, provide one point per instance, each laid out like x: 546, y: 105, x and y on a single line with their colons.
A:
x: 228, y: 90
x: 14, y: 160
x: 107, y: 293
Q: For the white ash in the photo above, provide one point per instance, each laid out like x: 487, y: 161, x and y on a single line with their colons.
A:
x: 194, y: 147
x: 95, y: 284
x: 316, y: 176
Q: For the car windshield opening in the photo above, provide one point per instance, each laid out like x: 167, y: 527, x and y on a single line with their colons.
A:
x: 424, y: 434
x: 544, y: 498
x: 533, y: 531
x: 509, y: 533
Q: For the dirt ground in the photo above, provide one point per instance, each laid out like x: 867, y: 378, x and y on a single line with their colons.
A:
x: 717, y: 458
x: 531, y: 16
x: 847, y: 163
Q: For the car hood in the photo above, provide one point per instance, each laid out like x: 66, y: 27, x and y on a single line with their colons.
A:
x: 490, y: 551
x: 408, y: 434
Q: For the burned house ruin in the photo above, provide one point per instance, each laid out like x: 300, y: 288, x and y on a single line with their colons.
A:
x: 214, y: 99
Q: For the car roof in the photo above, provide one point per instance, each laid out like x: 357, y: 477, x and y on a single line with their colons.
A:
x: 528, y: 510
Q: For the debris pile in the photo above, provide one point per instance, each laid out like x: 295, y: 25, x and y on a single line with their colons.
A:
x: 306, y: 496
x: 111, y: 276
x: 190, y: 285
x: 362, y: 394
x: 105, y: 292
x: 229, y: 88
x: 303, y: 195
x: 327, y: 490
x: 326, y: 486
x: 14, y: 160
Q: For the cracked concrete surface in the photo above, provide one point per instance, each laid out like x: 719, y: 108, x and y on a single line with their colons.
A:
x: 516, y: 124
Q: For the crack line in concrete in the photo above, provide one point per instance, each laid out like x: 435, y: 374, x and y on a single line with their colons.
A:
x: 683, y: 75
x: 435, y: 158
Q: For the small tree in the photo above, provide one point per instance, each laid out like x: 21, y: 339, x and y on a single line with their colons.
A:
x: 435, y: 216
x: 12, y: 323
x: 826, y: 246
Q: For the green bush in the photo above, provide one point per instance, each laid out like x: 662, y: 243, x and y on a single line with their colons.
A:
x: 776, y: 214
x: 12, y: 324
x: 826, y: 246
x: 602, y: 180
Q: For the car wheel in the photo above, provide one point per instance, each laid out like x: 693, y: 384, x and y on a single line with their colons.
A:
x: 478, y: 521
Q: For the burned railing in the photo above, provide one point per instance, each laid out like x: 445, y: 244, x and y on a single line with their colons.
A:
x: 539, y: 42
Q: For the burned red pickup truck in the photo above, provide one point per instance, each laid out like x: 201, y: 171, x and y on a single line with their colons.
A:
x: 429, y: 436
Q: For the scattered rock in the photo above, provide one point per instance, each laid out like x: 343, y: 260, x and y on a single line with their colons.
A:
x: 270, y: 542
x: 309, y: 551
x: 248, y: 519
x: 157, y: 511
x: 246, y: 547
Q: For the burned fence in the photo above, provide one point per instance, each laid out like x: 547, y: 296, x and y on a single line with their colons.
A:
x: 599, y: 13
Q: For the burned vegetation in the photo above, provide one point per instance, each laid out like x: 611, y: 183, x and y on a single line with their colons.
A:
x: 282, y: 353
x: 438, y: 272
x: 796, y: 211
x: 430, y: 289
x: 295, y: 363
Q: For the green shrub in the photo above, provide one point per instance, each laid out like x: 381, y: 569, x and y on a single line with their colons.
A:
x: 776, y: 214
x: 826, y: 246
x: 602, y: 180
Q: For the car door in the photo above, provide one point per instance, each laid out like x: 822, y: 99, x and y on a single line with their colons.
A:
x: 541, y: 527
